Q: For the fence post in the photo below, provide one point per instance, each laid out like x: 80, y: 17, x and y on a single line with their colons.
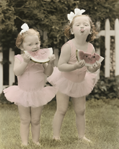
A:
x: 116, y: 47
x: 11, y: 65
x: 45, y: 37
x: 107, y: 46
x: 56, y: 56
x: 1, y: 70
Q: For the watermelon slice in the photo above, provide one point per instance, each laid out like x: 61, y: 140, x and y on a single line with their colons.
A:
x: 89, y: 59
x: 41, y: 55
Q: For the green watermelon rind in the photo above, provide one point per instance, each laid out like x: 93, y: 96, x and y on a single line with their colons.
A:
x: 39, y: 61
x: 77, y: 55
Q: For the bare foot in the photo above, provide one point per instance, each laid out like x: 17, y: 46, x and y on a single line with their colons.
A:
x: 85, y: 139
x: 24, y: 144
x: 37, y: 143
x: 56, y: 138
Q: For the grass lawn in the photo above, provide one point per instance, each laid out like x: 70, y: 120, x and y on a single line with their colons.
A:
x: 102, y: 127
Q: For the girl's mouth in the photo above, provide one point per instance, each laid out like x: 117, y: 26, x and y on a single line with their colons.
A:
x: 34, y: 50
x: 82, y: 30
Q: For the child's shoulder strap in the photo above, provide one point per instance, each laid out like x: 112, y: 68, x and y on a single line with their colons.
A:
x: 91, y: 48
x: 69, y: 43
x: 18, y: 56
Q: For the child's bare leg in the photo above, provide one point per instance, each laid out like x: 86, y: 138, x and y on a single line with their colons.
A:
x: 62, y: 105
x: 24, y: 113
x: 79, y: 108
x: 35, y: 123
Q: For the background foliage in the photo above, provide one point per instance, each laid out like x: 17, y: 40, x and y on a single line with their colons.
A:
x: 51, y: 16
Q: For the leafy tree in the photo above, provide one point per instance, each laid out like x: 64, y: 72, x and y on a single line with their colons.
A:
x: 48, y: 15
x: 7, y: 26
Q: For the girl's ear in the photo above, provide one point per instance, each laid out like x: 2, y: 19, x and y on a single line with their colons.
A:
x: 71, y: 31
x: 90, y: 32
x: 21, y: 47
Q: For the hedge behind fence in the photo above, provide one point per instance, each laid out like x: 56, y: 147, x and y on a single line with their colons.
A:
x: 50, y: 16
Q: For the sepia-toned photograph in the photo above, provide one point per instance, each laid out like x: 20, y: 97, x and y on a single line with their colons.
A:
x: 59, y: 74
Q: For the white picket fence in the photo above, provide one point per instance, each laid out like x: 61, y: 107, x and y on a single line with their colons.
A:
x: 11, y: 74
x: 107, y: 33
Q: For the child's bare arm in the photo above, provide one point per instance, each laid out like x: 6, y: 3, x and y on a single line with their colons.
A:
x: 20, y: 66
x: 94, y: 68
x: 49, y: 66
x: 64, y: 58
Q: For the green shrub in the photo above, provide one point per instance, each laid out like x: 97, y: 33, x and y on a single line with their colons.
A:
x: 105, y: 88
x: 3, y: 99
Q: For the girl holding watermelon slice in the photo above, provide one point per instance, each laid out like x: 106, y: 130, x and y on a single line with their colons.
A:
x: 74, y: 79
x: 30, y: 95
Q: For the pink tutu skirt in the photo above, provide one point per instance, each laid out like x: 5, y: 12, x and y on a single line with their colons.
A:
x: 36, y: 98
x: 71, y: 87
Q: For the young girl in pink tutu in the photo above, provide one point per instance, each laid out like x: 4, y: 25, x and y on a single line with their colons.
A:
x: 74, y: 79
x: 30, y: 95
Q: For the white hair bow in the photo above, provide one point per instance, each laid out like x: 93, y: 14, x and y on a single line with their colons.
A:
x: 76, y: 13
x: 24, y: 28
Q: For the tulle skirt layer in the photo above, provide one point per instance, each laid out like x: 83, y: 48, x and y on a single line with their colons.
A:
x: 36, y: 98
x: 71, y: 88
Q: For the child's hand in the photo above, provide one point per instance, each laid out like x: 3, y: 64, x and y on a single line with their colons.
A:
x: 52, y: 58
x: 94, y: 67
x: 26, y: 57
x: 80, y: 64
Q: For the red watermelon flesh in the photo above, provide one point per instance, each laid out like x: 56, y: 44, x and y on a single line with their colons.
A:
x: 89, y: 58
x: 41, y: 55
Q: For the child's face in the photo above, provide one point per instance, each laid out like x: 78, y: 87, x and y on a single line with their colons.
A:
x: 31, y: 43
x: 81, y: 26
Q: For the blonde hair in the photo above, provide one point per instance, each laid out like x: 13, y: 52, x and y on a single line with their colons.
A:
x: 90, y: 37
x: 20, y: 37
